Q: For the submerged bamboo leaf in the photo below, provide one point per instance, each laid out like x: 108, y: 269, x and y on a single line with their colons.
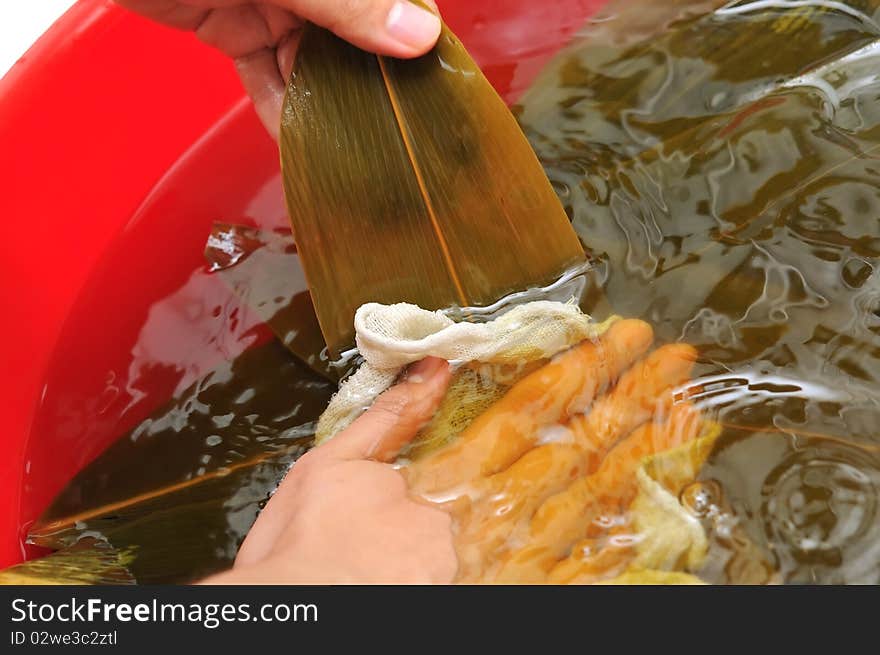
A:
x: 411, y: 181
x: 727, y: 171
x: 683, y: 188
x: 628, y: 95
x: 184, y: 487
x: 89, y: 561
x: 185, y: 531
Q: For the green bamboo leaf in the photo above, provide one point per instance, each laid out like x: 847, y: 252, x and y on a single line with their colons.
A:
x: 727, y: 171
x: 672, y: 182
x: 630, y: 90
x: 89, y: 561
x: 182, y: 489
x: 411, y: 181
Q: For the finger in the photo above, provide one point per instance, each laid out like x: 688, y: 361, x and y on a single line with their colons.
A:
x: 513, y: 495
x: 592, y: 560
x: 642, y: 392
x: 510, y: 498
x: 568, y: 384
x: 263, y: 75
x: 398, y: 28
x: 245, y: 28
x: 286, y: 53
x: 170, y: 12
x: 395, y: 417
x: 613, y: 485
x: 615, y: 481
x: 261, y: 79
x: 507, y: 430
x: 562, y: 519
x: 261, y: 39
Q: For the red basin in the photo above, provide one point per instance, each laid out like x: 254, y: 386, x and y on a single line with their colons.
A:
x: 122, y: 143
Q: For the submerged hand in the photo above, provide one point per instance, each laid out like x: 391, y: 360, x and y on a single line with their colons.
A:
x: 262, y: 37
x: 344, y: 516
x: 535, y: 490
x: 540, y: 484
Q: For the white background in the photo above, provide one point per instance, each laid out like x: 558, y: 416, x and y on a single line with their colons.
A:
x: 22, y: 22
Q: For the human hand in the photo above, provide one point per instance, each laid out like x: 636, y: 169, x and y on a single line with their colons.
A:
x: 540, y: 484
x: 343, y: 515
x: 262, y: 36
x: 535, y: 490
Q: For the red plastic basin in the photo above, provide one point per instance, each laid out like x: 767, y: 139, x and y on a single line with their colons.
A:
x: 122, y: 143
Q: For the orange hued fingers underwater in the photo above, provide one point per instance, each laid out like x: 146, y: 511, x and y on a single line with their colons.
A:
x: 565, y: 517
x: 553, y: 463
x: 565, y: 386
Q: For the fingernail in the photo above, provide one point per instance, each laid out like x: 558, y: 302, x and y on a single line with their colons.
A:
x: 425, y: 369
x: 413, y: 26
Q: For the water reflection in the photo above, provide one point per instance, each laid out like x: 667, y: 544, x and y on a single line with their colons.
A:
x: 726, y: 171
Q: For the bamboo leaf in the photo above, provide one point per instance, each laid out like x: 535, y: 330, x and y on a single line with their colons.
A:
x: 674, y: 157
x: 727, y: 170
x: 182, y: 532
x: 89, y: 561
x: 630, y: 90
x: 182, y: 489
x: 411, y: 181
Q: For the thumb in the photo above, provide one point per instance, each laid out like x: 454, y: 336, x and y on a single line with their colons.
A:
x: 395, y: 417
x: 399, y: 28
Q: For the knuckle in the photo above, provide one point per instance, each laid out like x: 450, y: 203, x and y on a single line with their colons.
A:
x: 393, y: 405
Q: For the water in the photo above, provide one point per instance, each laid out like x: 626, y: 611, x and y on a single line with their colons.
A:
x: 725, y: 174
x: 183, y: 488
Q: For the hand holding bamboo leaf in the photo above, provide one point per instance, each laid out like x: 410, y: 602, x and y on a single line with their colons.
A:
x: 262, y: 37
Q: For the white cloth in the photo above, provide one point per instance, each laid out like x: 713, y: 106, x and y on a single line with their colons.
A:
x: 390, y: 337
